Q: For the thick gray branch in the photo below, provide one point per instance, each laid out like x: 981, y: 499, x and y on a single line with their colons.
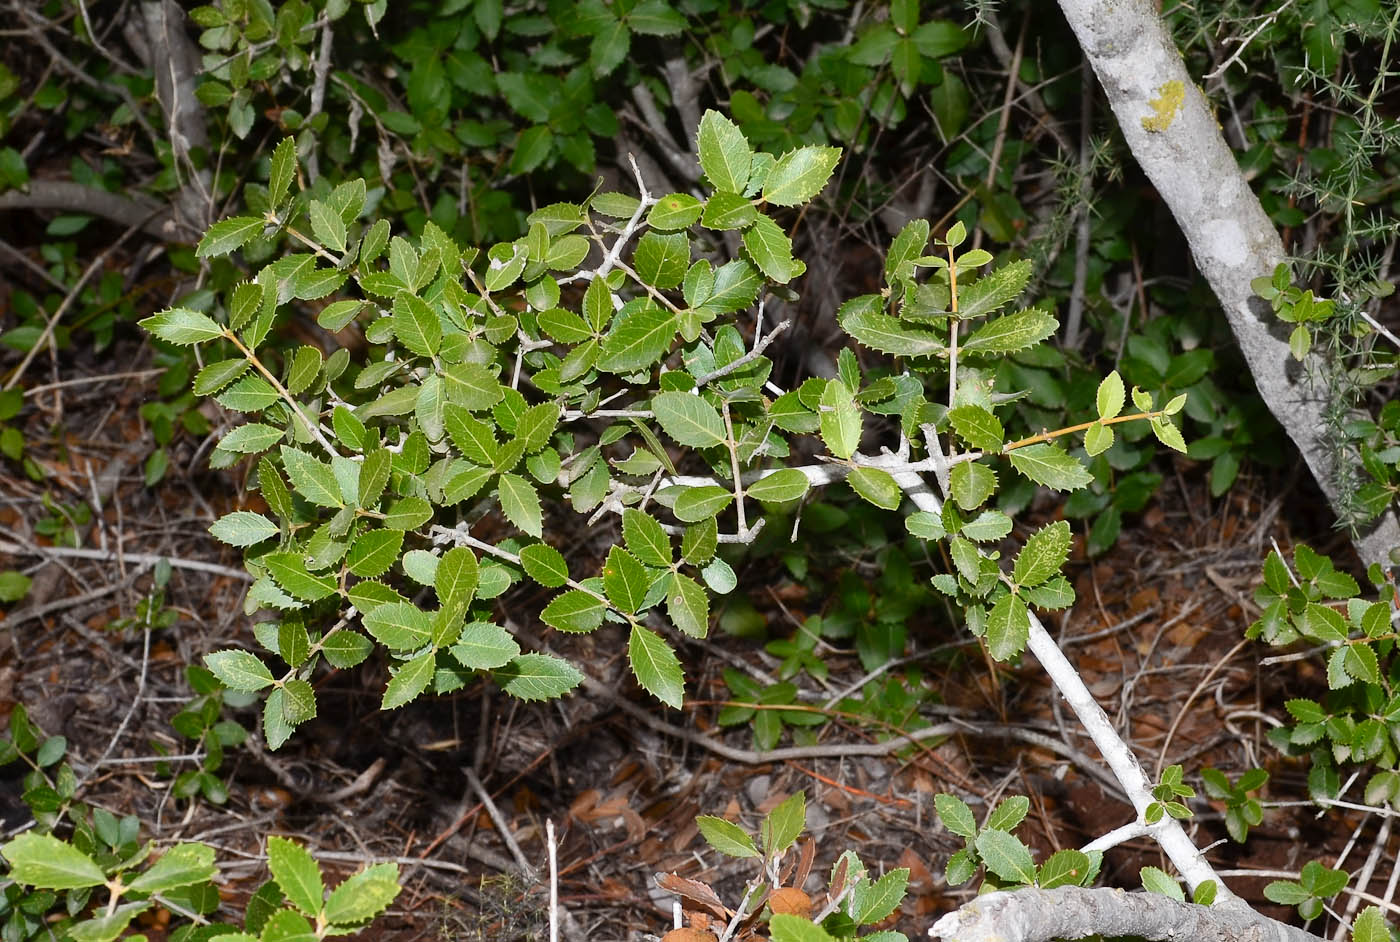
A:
x: 131, y: 210
x: 1073, y: 913
x: 1174, y: 136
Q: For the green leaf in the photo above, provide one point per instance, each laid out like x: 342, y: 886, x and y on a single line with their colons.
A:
x: 399, y: 626
x: 955, y: 815
x: 182, y: 326
x: 1109, y: 399
x: 229, y: 234
x: 978, y: 427
x: 970, y: 484
x: 45, y: 862
x: 363, y: 895
x: 283, y: 168
x: 181, y: 865
x: 877, y: 486
x: 484, y: 646
x: 538, y: 677
x: 1098, y: 438
x: 779, y: 487
x: 645, y: 538
x: 784, y: 824
x: 239, y: 670
x: 14, y: 585
x: 1051, y: 466
x: 1043, y: 555
x: 243, y: 528
x: 879, y: 331
x: 416, y: 325
x: 216, y: 376
x: 545, y: 565
x: 289, y: 569
x: 638, y: 341
x: 840, y: 420
x: 625, y: 580
x: 296, y: 873
x: 574, y: 610
x: 409, y: 680
x: 728, y: 211
x: 344, y: 648
x: 520, y: 502
x: 661, y: 259
x: 688, y: 419
x: 251, y: 438
x: 993, y: 290
x: 312, y: 479
x: 1006, y: 856
x: 1008, y: 628
x: 1370, y: 926
x: 701, y: 503
x: 688, y: 606
x: 799, y: 175
x: 771, y: 250
x: 877, y: 901
x: 674, y: 212
x: 374, y: 552
x: 1168, y: 434
x: 725, y: 836
x: 327, y: 226
x: 1012, y: 333
x: 1064, y: 868
x: 1155, y: 880
x: 655, y: 18
x: 725, y: 154
x: 655, y: 665
x: 785, y: 927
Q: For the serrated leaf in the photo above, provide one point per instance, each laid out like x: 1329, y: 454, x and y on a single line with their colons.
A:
x: 781, y: 486
x: 784, y: 824
x: 840, y: 420
x: 1370, y: 926
x: 725, y: 154
x: 1098, y: 438
x: 290, y: 572
x: 955, y: 815
x: 877, y: 486
x: 344, y: 648
x: 281, y: 171
x: 399, y: 626
x: 1051, y: 466
x: 374, y: 552
x: 1008, y: 628
x: 538, y: 677
x: 363, y: 895
x: 409, y: 680
x: 655, y: 665
x: 674, y: 211
x: 457, y: 576
x: 574, y: 610
x: 520, y: 502
x: 645, y: 538
x: 1006, y: 856
x: 799, y: 175
x: 637, y: 342
x: 1110, y: 397
x: 296, y: 873
x: 688, y: 606
x: 182, y: 326
x: 726, y: 837
x: 416, y: 325
x: 688, y: 419
x: 994, y: 289
x: 987, y: 526
x: 701, y: 503
x: 181, y: 865
x: 484, y: 646
x: 216, y: 376
x: 1043, y: 555
x: 879, y: 331
x: 327, y: 226
x: 625, y: 580
x: 877, y: 901
x: 229, y: 234
x: 243, y: 528
x: 251, y: 438
x: 1168, y: 434
x: 771, y: 250
x: 1155, y: 880
x: 45, y: 862
x: 312, y: 479
x: 970, y: 484
x: 545, y: 565
x: 978, y: 427
x: 1064, y: 868
x: 1012, y: 333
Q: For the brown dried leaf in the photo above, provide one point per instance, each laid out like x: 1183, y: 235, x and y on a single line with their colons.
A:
x: 693, y: 890
x: 791, y: 900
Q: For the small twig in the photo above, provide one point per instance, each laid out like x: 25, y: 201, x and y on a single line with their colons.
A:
x: 502, y: 826
x: 747, y: 358
x: 553, y: 880
x: 150, y: 559
x: 130, y: 710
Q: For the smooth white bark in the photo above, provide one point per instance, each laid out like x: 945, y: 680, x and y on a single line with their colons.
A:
x: 1175, y: 137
